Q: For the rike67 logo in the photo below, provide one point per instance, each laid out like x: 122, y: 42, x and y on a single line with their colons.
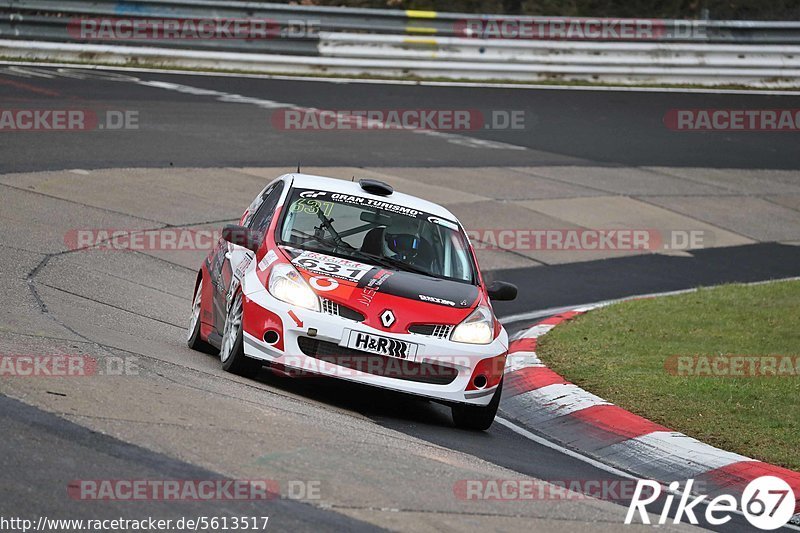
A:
x: 768, y: 503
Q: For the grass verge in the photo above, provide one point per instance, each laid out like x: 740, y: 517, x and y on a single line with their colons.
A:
x: 626, y: 353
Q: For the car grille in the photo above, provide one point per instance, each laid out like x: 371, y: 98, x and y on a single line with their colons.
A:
x: 379, y: 365
x: 440, y: 331
x: 332, y: 308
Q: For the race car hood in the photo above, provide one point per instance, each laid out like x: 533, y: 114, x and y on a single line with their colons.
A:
x: 370, y: 290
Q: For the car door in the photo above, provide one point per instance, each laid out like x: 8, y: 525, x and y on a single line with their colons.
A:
x: 236, y: 259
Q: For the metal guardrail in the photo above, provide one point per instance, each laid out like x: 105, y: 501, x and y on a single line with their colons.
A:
x: 543, y: 53
x: 419, y: 43
x: 385, y: 21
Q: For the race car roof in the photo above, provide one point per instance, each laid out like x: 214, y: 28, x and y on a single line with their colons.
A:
x: 308, y: 181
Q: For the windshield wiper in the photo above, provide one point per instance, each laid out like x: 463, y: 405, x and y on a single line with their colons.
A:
x: 333, y: 243
x: 336, y: 242
x: 327, y: 223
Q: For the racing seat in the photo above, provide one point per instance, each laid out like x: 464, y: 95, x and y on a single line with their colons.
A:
x: 373, y: 241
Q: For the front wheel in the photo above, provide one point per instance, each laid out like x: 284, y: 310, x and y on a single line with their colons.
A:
x: 477, y: 417
x: 193, y: 338
x: 232, y: 353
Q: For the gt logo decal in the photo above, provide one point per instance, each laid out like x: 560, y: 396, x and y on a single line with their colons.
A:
x: 323, y: 284
x: 312, y: 194
x: 387, y: 318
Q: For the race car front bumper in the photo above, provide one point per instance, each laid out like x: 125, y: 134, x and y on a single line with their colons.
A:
x: 316, y: 343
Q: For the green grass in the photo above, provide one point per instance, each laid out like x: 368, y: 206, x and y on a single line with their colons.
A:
x: 619, y: 353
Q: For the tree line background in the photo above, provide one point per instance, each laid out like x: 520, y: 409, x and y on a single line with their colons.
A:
x: 677, y: 9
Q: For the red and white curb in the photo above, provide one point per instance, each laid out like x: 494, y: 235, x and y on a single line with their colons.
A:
x: 542, y: 401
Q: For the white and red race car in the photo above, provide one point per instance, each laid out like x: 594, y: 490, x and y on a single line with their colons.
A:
x: 355, y: 281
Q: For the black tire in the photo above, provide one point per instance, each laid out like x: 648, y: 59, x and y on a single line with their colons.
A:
x: 237, y: 362
x: 475, y: 417
x: 193, y: 340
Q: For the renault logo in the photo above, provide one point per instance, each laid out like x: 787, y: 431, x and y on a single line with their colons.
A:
x: 387, y: 318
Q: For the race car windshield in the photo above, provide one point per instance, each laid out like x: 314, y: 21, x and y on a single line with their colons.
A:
x: 366, y: 230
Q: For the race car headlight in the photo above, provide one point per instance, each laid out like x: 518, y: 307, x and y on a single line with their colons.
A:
x: 287, y: 285
x: 477, y: 328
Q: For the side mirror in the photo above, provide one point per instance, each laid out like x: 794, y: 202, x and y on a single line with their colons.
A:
x: 241, y: 236
x: 502, y: 291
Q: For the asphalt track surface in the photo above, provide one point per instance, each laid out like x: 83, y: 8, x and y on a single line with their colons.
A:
x: 591, y: 127
x: 41, y: 452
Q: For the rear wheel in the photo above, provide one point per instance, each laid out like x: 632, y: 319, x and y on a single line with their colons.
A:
x: 193, y: 338
x: 232, y: 353
x: 477, y: 417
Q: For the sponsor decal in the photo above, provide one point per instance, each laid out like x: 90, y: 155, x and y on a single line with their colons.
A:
x: 380, y: 204
x: 382, y: 345
x: 242, y: 267
x: 311, y: 205
x: 330, y: 266
x: 440, y: 301
x: 322, y: 283
x: 387, y: 318
x: 266, y: 261
x: 366, y: 297
x: 372, y: 287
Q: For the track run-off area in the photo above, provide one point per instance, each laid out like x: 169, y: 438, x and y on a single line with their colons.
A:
x: 184, y: 154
